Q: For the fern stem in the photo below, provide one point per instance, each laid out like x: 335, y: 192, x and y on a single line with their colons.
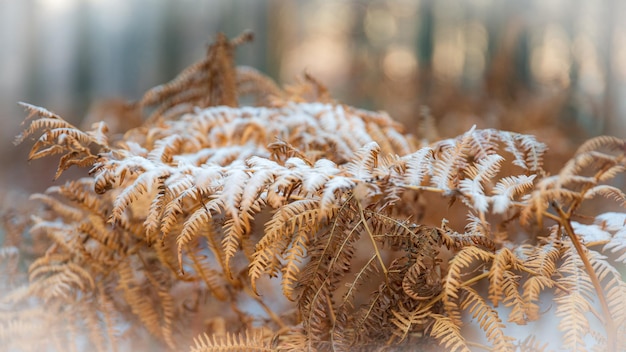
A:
x: 610, y: 325
x: 371, y: 235
x: 474, y: 280
x: 425, y: 188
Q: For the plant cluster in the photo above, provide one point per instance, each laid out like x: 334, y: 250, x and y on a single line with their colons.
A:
x: 304, y: 224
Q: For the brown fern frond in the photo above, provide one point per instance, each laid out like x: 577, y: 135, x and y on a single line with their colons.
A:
x: 404, y: 319
x: 330, y: 257
x: 481, y: 143
x: 212, y: 277
x: 449, y: 334
x: 608, y: 142
x: 365, y: 272
x: 370, y: 320
x: 472, y: 186
x: 488, y: 319
x: 146, y: 182
x: 294, y: 256
x: 447, y: 166
x: 59, y: 136
x: 58, y: 206
x: 422, y: 280
x: 364, y: 161
x: 543, y: 261
x: 527, y: 150
x: 54, y: 276
x: 248, y: 341
x: 263, y: 89
x: 281, y: 151
x: 499, y: 272
x: 507, y: 189
x: 212, y: 81
x: 573, y: 305
x: 607, y: 192
x: 463, y: 260
x: 614, y: 288
x: 513, y: 299
x: 458, y: 241
x: 143, y: 308
x: 45, y: 120
x: 295, y: 220
x: 418, y: 167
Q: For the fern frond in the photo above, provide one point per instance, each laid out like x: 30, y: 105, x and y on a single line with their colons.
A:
x: 143, y: 308
x: 230, y: 199
x: 607, y: 192
x: 59, y: 136
x: 57, y: 206
x: 614, y: 287
x: 367, y: 270
x: 209, y: 82
x: 247, y: 341
x: 573, y: 305
x: 448, y: 333
x: 164, y: 149
x: 609, y: 142
x: 146, y: 182
x: 611, y: 221
x: 331, y: 194
x: 294, y: 256
x: 472, y: 187
x: 503, y: 260
x: 364, y: 161
x: 53, y: 276
x: 488, y: 320
x: 191, y: 229
x: 513, y: 299
x: 295, y: 220
x: 461, y: 261
x: 46, y: 120
x: 181, y: 219
x: 507, y: 188
x: 251, y: 81
x: 458, y: 241
x: 543, y: 261
x: 370, y: 319
x: 404, y: 319
x: 446, y: 166
x: 418, y: 166
x: 480, y: 143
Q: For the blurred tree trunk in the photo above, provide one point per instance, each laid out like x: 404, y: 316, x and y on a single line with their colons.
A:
x: 613, y: 125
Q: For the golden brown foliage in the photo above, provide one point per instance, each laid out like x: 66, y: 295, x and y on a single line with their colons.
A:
x: 302, y: 224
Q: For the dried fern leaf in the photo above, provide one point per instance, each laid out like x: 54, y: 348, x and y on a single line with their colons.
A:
x: 449, y: 334
x: 472, y: 187
x: 488, y: 320
x: 572, y: 306
x: 507, y: 188
x: 452, y: 284
x: 247, y: 341
x: 404, y: 319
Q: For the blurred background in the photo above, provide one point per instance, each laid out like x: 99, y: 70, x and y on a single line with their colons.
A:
x: 555, y: 68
